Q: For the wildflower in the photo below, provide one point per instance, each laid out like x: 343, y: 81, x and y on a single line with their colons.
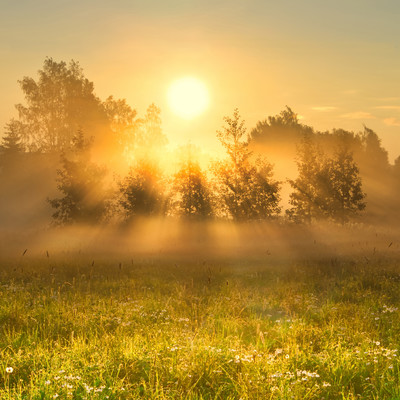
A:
x: 287, y: 356
x: 67, y: 385
x: 88, y: 388
x: 47, y: 383
x: 55, y: 396
x: 9, y: 370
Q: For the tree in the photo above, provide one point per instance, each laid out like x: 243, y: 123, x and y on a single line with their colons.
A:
x: 325, y: 187
x: 59, y: 103
x: 376, y: 157
x: 150, y: 139
x: 264, y: 195
x: 395, y: 191
x: 192, y: 196
x: 396, y: 167
x: 306, y: 196
x: 123, y: 123
x: 142, y: 191
x: 120, y: 114
x: 11, y: 148
x: 344, y: 197
x: 81, y: 183
x: 12, y: 141
x: 230, y: 173
x: 283, y: 128
x: 247, y: 189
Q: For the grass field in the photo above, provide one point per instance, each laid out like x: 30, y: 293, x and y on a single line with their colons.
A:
x: 74, y: 328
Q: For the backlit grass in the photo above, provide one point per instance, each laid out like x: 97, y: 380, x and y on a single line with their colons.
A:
x: 74, y: 328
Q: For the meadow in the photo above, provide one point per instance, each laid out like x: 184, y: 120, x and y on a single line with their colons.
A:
x: 74, y: 326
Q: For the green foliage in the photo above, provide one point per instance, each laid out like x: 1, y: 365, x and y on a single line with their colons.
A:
x: 58, y: 104
x: 62, y: 101
x: 191, y: 189
x: 157, y: 330
x: 344, y: 197
x: 80, y: 181
x: 142, y: 190
x: 310, y: 186
x: 246, y: 188
x: 325, y: 187
x: 263, y: 190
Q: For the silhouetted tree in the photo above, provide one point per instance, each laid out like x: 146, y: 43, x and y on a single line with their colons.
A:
x: 59, y: 103
x: 396, y: 167
x: 142, y: 191
x: 12, y: 142
x: 11, y: 148
x: 263, y: 190
x: 283, y: 128
x: 375, y: 171
x: 375, y: 155
x: 344, y: 197
x: 150, y: 137
x: 192, y: 195
x: 247, y: 189
x: 306, y: 196
x: 80, y: 182
x: 329, y: 141
x: 325, y: 187
x: 123, y: 123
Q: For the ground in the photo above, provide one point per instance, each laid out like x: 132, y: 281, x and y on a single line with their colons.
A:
x: 73, y: 327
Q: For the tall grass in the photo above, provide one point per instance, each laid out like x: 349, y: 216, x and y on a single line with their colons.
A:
x: 76, y: 328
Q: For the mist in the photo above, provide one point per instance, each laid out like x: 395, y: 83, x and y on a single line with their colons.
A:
x: 98, y: 178
x: 173, y: 240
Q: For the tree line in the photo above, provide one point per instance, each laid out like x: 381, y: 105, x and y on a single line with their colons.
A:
x: 63, y: 116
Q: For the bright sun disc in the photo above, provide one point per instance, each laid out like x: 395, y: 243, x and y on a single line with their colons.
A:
x: 188, y: 97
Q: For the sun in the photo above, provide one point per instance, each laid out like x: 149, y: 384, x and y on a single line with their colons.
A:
x: 188, y: 97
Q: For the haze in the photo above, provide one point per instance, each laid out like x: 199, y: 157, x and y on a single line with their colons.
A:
x: 336, y: 64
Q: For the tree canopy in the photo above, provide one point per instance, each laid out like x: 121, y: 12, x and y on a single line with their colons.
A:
x: 339, y: 171
x: 326, y: 187
x: 59, y: 103
x: 246, y: 188
x: 80, y: 183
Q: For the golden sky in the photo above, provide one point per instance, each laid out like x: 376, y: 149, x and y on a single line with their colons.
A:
x: 336, y: 63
